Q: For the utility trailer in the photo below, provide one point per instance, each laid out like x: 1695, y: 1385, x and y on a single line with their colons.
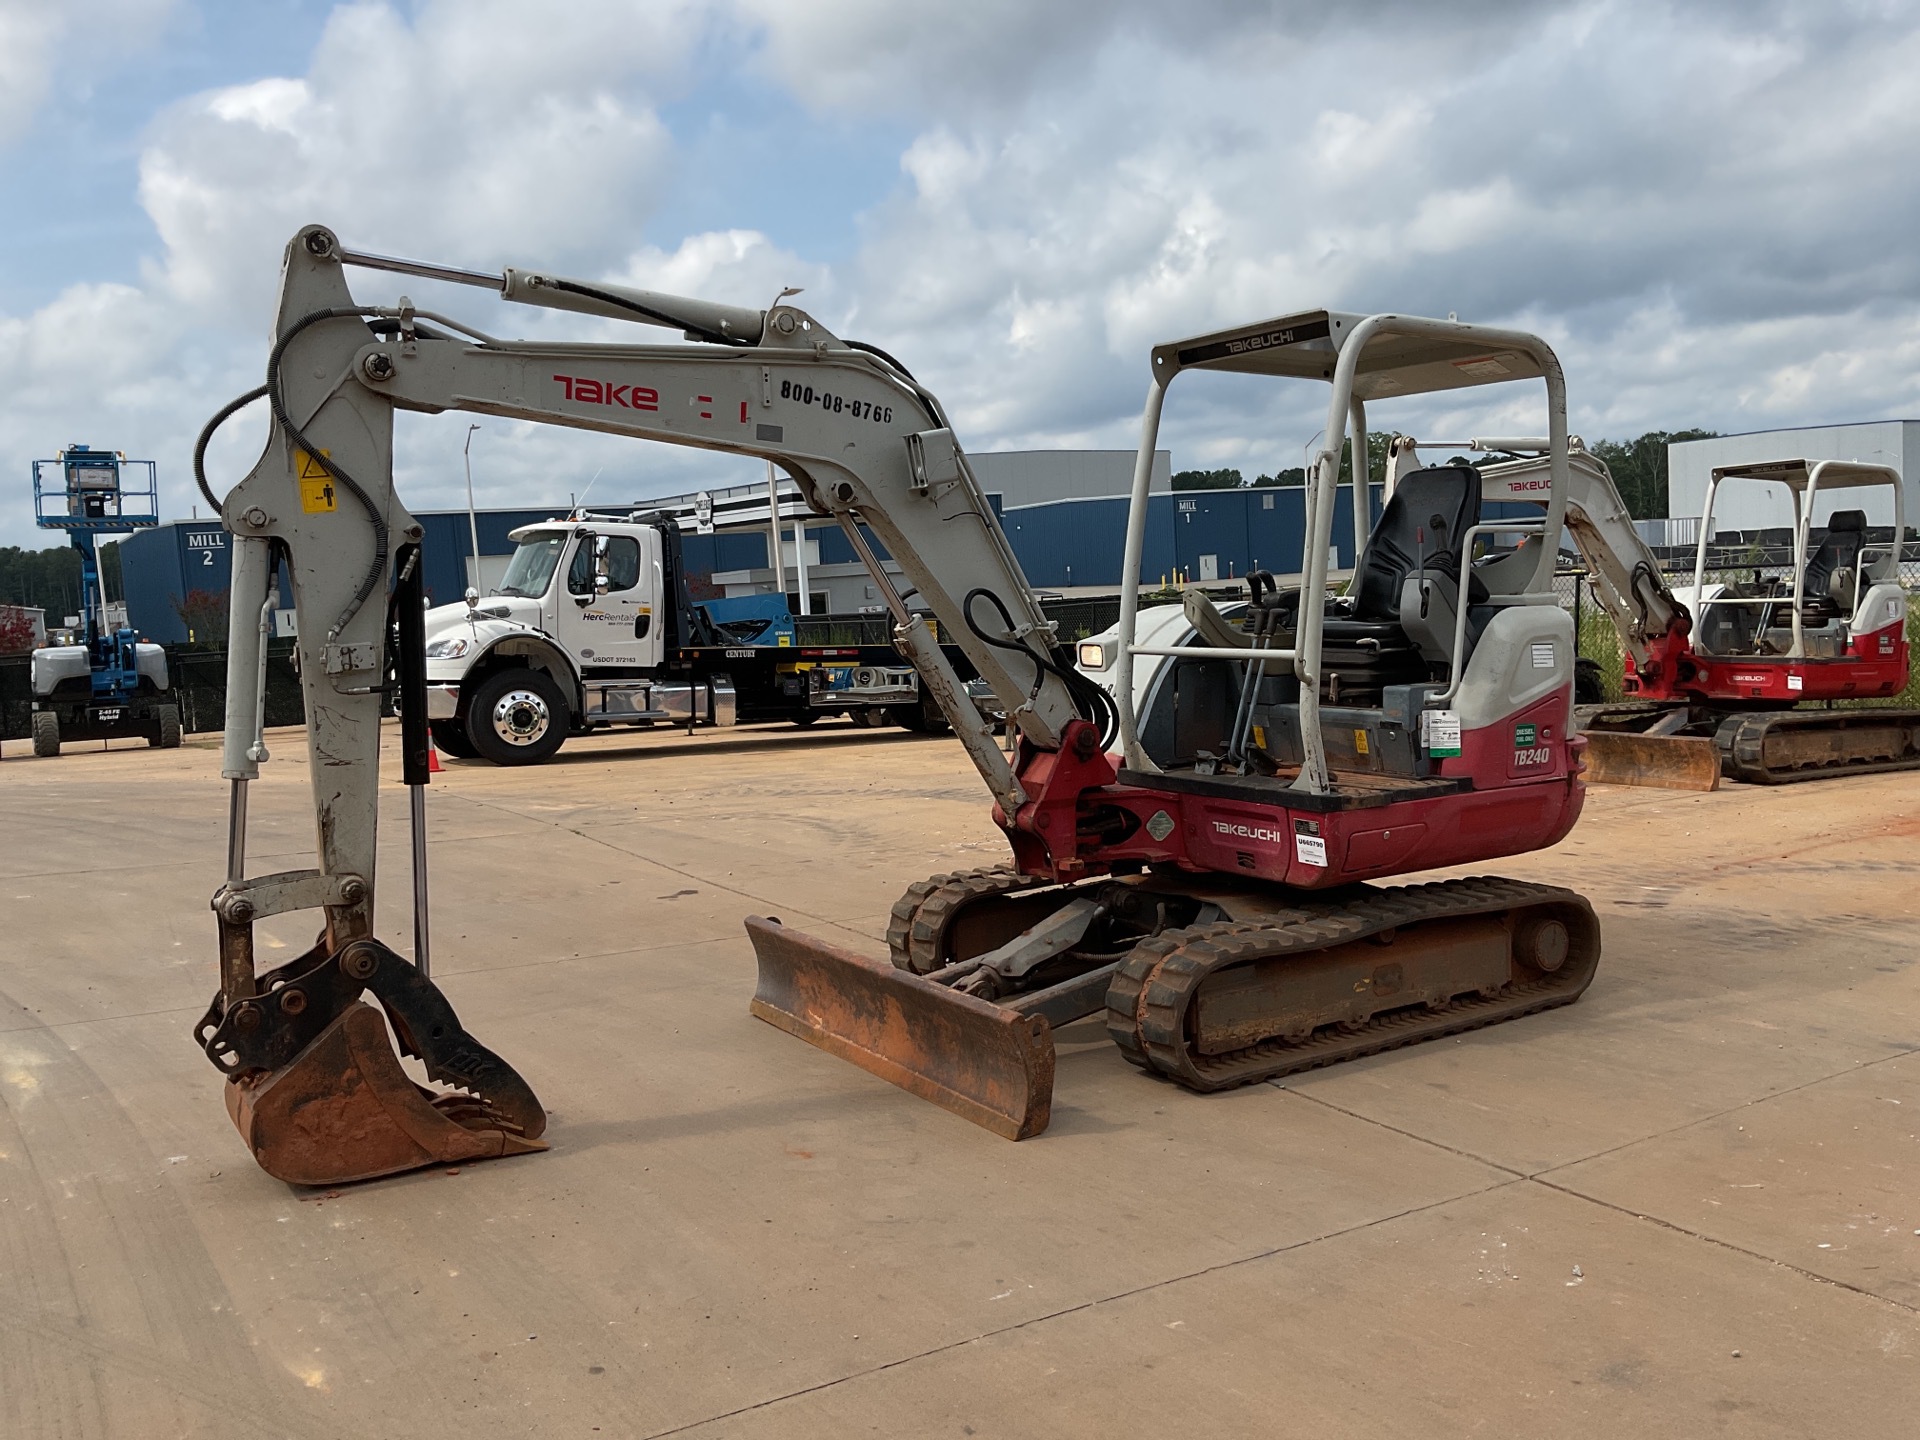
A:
x: 593, y: 625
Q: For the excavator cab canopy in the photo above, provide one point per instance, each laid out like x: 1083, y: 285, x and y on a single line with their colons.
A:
x: 1307, y: 347
x: 1831, y: 567
x: 1361, y: 358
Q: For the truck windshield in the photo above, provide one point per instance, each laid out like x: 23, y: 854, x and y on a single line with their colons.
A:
x: 532, y: 566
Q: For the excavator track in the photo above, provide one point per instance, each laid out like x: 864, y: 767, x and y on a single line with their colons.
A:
x: 1778, y: 747
x: 1215, y: 1006
x: 921, y: 934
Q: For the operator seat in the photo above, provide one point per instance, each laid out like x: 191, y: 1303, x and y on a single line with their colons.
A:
x: 1401, y: 620
x: 1839, y: 552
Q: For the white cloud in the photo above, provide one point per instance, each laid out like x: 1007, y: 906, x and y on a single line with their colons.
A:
x: 38, y: 38
x: 1708, y: 209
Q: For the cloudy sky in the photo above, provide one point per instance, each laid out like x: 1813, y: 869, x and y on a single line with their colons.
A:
x: 1710, y: 208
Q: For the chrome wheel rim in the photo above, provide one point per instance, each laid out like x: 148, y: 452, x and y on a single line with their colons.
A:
x: 521, y: 717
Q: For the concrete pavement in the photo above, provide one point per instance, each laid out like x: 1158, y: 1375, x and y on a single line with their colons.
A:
x: 1688, y: 1205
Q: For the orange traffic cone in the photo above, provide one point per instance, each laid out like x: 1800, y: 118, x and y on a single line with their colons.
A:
x: 433, y: 757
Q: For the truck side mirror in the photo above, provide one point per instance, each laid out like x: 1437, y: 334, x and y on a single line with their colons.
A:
x: 600, y: 543
x: 472, y: 598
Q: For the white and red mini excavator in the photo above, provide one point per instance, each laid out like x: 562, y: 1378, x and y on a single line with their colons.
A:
x: 1222, y: 910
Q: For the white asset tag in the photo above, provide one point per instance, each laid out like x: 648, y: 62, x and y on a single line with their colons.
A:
x: 1795, y: 682
x: 1442, y: 732
x: 1311, y: 849
x: 1543, y: 654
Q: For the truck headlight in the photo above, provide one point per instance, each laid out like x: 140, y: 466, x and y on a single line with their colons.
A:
x: 1093, y: 655
x: 448, y: 649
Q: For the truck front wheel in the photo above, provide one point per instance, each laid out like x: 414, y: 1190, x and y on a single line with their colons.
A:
x: 46, y: 734
x: 165, y: 734
x: 517, y: 717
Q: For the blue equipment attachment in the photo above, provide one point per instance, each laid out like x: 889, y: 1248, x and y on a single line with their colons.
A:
x: 107, y: 683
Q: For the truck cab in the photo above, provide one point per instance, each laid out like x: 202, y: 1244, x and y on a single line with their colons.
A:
x: 593, y: 625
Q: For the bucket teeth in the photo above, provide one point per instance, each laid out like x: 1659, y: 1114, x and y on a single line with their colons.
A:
x: 319, y: 1095
x: 345, y: 1110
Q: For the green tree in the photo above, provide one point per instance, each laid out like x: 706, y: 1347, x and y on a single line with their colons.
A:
x: 1207, y: 480
x: 1294, y: 476
x: 50, y: 578
x: 1377, y: 444
x: 1639, y: 468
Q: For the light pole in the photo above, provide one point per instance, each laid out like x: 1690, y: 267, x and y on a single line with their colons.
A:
x: 473, y: 525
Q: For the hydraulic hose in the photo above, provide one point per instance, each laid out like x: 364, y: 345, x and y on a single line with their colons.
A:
x: 227, y: 412
x: 1090, y: 701
x: 376, y: 571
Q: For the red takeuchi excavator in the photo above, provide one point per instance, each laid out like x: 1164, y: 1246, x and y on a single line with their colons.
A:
x: 1223, y: 913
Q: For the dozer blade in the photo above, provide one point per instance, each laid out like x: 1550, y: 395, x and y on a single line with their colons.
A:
x: 984, y: 1063
x: 344, y: 1110
x: 1673, y: 762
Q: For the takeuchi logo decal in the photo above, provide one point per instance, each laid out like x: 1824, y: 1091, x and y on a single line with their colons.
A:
x: 1248, y: 832
x: 604, y: 392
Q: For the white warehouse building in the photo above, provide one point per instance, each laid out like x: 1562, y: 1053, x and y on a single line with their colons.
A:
x: 1691, y: 463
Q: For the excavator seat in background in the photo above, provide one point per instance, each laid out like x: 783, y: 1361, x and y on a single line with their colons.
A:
x: 1418, y: 541
x: 1839, y: 552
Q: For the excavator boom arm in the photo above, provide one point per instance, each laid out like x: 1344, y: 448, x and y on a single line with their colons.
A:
x: 1624, y: 573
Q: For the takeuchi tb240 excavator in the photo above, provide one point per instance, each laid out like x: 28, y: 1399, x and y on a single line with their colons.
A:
x: 1220, y: 912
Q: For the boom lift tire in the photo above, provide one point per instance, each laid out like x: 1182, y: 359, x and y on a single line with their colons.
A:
x: 450, y: 737
x: 46, y: 734
x: 166, y: 728
x: 517, y: 717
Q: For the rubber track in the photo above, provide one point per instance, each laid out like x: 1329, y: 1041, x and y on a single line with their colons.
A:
x: 1742, y: 741
x: 1148, y: 1000
x: 920, y: 917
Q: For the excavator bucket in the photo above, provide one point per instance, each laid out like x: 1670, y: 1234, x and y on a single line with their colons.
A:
x: 990, y: 1065
x: 344, y: 1110
x: 1672, y: 762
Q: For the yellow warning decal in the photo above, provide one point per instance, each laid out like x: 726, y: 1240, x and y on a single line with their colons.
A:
x: 317, y: 495
x: 1260, y: 736
x: 1359, y: 742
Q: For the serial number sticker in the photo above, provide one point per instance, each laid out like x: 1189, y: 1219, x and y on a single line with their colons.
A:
x: 1543, y: 654
x: 1796, y: 682
x: 1525, y: 735
x: 836, y: 404
x: 317, y: 495
x: 1311, y: 850
x: 1442, y: 732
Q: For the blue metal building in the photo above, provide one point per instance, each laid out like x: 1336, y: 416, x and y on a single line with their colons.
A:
x: 1070, y: 543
